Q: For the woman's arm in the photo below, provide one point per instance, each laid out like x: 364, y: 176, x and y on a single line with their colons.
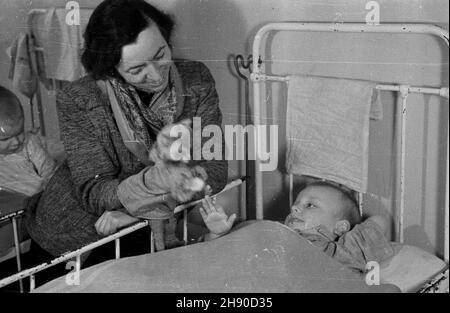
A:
x: 93, y: 172
x: 209, y: 112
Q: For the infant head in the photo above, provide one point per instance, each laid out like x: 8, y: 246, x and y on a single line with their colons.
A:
x: 322, y: 203
x: 11, y: 122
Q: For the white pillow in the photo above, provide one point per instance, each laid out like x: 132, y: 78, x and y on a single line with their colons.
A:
x: 410, y: 268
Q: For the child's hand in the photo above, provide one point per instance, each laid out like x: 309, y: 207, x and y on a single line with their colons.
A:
x: 215, y: 218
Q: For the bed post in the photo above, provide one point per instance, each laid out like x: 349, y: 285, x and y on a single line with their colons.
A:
x: 446, y: 216
x: 404, y: 92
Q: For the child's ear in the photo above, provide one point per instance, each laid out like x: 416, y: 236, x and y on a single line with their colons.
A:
x: 341, y: 227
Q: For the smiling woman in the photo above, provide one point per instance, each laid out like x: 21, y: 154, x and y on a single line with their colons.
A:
x: 146, y: 63
x: 109, y: 121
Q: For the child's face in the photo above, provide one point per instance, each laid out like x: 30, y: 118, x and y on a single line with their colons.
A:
x: 314, y: 206
x: 11, y: 138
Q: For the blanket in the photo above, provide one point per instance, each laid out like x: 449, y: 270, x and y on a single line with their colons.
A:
x: 261, y: 257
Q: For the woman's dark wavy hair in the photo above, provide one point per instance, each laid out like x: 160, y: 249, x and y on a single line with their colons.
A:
x: 114, y: 24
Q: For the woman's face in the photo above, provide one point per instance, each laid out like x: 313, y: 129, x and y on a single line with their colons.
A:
x: 145, y: 64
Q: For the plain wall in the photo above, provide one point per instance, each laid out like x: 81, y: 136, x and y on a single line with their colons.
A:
x: 213, y: 31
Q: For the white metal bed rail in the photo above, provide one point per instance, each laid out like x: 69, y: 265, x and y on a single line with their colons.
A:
x: 13, y: 216
x: 116, y: 236
x: 31, y: 272
x: 258, y: 76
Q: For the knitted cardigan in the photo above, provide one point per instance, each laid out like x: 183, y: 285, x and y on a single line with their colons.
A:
x: 62, y: 218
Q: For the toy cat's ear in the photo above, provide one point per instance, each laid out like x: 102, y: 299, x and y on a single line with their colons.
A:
x: 200, y: 172
x: 164, y: 139
x: 186, y: 122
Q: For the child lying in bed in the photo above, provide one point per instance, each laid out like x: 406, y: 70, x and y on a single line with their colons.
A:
x: 328, y: 217
x: 25, y: 164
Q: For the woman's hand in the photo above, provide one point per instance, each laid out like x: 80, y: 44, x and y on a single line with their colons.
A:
x: 215, y: 217
x: 111, y: 221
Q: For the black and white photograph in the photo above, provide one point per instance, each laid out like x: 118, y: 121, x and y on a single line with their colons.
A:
x: 224, y: 151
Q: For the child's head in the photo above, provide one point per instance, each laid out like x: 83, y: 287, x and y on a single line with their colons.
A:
x: 11, y: 122
x: 322, y: 203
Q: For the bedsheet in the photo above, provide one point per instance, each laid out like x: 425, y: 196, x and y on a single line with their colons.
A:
x: 261, y: 257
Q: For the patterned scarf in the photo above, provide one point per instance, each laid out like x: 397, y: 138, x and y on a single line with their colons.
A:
x: 143, y: 118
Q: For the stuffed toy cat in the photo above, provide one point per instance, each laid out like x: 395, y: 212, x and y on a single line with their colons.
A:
x: 184, y: 179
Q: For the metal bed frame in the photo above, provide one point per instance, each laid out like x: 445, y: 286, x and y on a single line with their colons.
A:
x: 76, y: 254
x: 12, y: 217
x: 257, y: 77
x: 69, y: 256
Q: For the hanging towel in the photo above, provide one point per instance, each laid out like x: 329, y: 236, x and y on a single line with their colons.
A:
x: 376, y: 109
x: 20, y: 71
x: 327, y: 129
x: 62, y: 45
